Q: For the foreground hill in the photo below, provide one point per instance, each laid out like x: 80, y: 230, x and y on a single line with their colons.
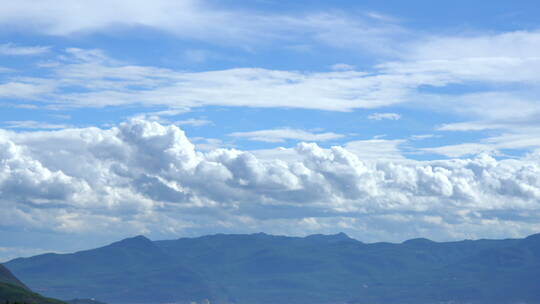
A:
x: 12, y: 290
x: 261, y: 268
x: 7, y: 277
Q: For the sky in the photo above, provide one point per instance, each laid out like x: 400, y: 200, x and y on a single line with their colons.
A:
x: 386, y: 120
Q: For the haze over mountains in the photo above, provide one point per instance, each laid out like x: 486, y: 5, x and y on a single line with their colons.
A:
x: 261, y: 268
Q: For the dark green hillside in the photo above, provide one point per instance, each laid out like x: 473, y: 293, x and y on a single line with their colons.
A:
x: 17, y: 294
x: 268, y: 269
x: 7, y: 277
x: 12, y: 290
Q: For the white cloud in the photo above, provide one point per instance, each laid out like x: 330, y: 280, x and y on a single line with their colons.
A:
x: 496, y: 107
x: 381, y: 116
x: 342, y: 67
x: 282, y: 153
x: 208, y: 144
x: 201, y: 20
x: 144, y: 177
x: 25, y: 90
x: 463, y: 149
x: 516, y: 44
x: 193, y: 122
x: 470, y: 126
x: 377, y: 149
x: 494, y: 60
x: 12, y: 49
x: 500, y: 57
x: 281, y: 135
x: 510, y: 117
x: 100, y: 81
x: 524, y: 139
x: 504, y: 64
x: 422, y: 136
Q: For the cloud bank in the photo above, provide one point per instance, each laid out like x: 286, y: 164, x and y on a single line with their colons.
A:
x: 144, y: 177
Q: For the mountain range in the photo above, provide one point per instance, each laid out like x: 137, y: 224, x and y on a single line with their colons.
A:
x: 267, y: 269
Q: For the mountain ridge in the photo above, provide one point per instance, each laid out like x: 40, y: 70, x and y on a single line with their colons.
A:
x: 263, y: 268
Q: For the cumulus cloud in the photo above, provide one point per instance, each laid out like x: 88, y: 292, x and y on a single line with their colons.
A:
x: 142, y: 176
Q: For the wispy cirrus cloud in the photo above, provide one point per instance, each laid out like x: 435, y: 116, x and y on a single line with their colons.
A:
x: 103, y: 81
x: 89, y: 78
x: 195, y: 122
x: 377, y: 149
x: 511, y: 139
x: 32, y: 124
x: 283, y: 134
x: 381, y: 116
x: 26, y: 89
x: 204, y: 20
x: 16, y: 50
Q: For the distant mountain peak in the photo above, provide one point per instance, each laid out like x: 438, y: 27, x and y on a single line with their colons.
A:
x: 136, y: 241
x: 419, y: 241
x: 535, y: 237
x: 139, y: 237
x: 331, y: 237
x: 342, y: 235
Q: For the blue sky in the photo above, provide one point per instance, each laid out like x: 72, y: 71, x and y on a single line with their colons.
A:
x: 302, y: 116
